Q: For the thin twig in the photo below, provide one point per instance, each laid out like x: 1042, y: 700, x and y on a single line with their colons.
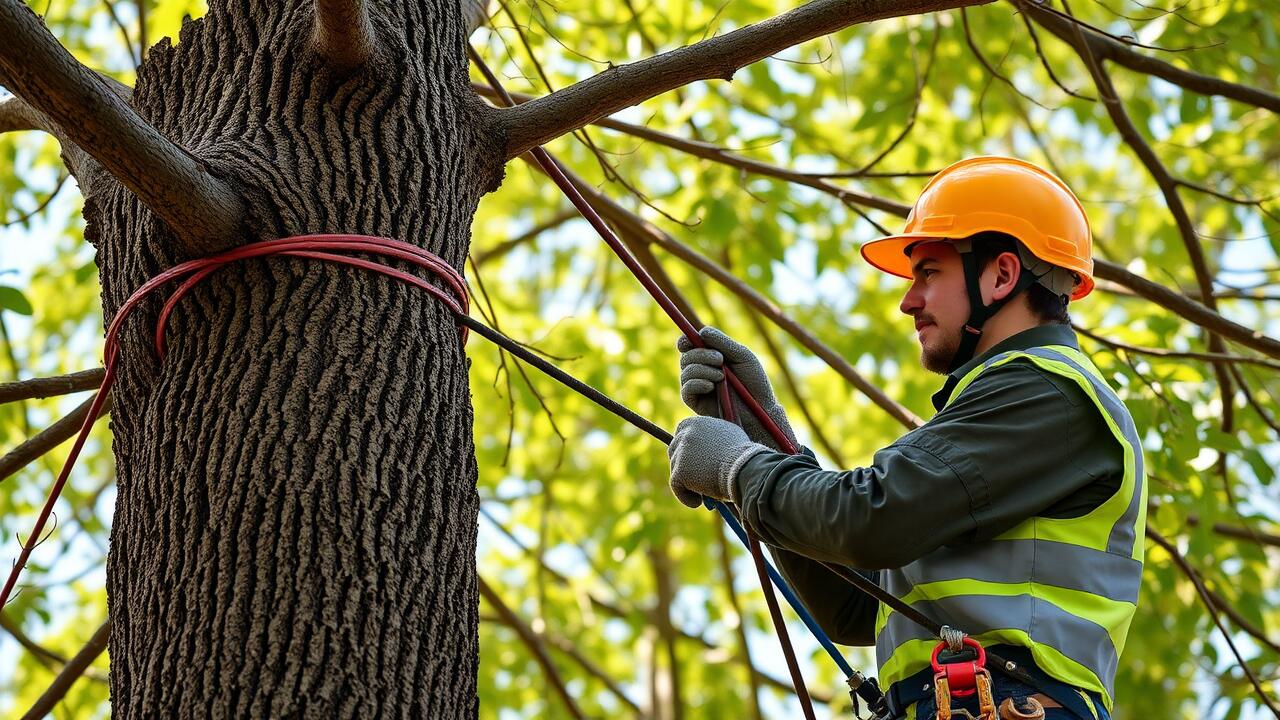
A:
x: 724, y: 156
x: 1176, y: 355
x: 62, y: 180
x: 1212, y: 607
x: 1106, y: 47
x: 506, y: 246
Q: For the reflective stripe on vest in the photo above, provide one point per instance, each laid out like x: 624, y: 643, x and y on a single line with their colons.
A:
x: 1065, y: 588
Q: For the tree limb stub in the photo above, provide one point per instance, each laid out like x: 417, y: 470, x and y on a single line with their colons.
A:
x: 1187, y: 308
x: 201, y: 209
x: 343, y: 34
x: 1105, y: 48
x: 622, y: 86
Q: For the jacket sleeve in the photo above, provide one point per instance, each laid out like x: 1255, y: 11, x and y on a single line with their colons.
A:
x: 1004, y: 450
x: 847, y: 615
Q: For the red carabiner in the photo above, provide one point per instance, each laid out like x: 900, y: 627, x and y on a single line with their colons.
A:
x: 960, y: 676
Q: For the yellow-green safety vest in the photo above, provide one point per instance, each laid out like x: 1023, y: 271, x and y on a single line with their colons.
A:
x: 1064, y: 588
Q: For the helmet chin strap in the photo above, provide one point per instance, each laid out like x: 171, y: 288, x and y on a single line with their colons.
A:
x: 979, y: 313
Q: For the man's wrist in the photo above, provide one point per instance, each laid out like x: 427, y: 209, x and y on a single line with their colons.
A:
x: 731, y: 482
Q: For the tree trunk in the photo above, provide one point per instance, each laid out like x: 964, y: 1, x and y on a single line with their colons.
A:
x: 296, y: 521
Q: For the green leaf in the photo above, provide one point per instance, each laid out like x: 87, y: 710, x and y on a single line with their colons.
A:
x: 11, y: 298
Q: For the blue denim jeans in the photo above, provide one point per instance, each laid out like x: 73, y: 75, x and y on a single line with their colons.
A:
x: 1003, y: 687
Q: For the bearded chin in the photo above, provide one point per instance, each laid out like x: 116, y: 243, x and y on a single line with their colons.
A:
x: 938, y: 358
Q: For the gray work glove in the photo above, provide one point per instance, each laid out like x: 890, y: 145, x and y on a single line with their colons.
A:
x: 706, y: 455
x: 702, y: 368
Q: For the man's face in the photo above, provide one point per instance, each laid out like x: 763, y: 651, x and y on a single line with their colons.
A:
x: 938, y: 302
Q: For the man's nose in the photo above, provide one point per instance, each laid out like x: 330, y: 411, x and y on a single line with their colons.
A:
x: 912, y: 302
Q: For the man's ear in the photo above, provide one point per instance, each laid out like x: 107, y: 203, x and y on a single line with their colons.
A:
x: 1007, y: 268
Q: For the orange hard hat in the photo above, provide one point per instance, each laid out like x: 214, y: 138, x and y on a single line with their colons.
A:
x: 1002, y: 194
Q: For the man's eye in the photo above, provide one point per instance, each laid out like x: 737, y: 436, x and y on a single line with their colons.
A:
x: 928, y: 273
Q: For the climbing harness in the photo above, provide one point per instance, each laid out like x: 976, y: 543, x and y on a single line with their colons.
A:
x: 961, y: 675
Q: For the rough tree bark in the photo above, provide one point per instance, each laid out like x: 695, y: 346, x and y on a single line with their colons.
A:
x: 296, y: 522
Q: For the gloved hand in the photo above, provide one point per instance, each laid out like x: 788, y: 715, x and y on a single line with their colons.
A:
x: 702, y: 368
x: 706, y: 455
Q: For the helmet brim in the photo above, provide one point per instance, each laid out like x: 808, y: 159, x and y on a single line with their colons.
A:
x: 889, y: 254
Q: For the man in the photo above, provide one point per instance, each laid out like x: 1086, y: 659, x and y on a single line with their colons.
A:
x: 1015, y: 514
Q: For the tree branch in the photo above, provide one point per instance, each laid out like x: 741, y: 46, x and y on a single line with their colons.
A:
x: 1175, y: 355
x: 535, y: 645
x: 1105, y: 48
x: 45, y: 656
x: 51, y: 386
x: 201, y: 209
x: 475, y: 13
x: 70, y: 673
x: 715, y: 153
x: 16, y: 115
x: 1209, y: 604
x: 622, y: 86
x: 48, y: 439
x: 1187, y: 308
x: 636, y: 615
x: 636, y: 227
x: 342, y: 33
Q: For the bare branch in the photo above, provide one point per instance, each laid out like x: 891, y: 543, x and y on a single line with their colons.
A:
x: 1187, y: 308
x: 342, y: 33
x: 1243, y: 623
x: 1106, y: 48
x: 70, y: 673
x: 715, y: 153
x: 535, y: 645
x: 1239, y: 532
x: 201, y: 209
x: 622, y: 86
x: 48, y: 439
x: 16, y: 115
x: 1175, y: 355
x: 1209, y: 604
x: 740, y: 626
x: 51, y: 386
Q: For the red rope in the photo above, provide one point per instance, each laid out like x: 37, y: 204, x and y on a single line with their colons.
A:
x: 192, y: 273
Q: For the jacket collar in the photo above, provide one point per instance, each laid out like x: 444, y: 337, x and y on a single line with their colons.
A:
x: 1038, y: 336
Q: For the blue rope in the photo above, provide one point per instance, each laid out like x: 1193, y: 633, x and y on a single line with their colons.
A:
x: 787, y: 592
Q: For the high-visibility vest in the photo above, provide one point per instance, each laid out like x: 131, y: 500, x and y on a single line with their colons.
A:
x: 1064, y: 588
